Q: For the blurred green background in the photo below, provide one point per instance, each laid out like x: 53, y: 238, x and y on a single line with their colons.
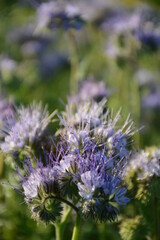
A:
x: 40, y: 69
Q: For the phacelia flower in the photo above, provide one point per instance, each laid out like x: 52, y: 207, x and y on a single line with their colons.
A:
x: 83, y: 176
x: 145, y: 164
x: 85, y: 171
x: 54, y: 15
x: 6, y: 109
x: 120, y: 197
x: 90, y: 90
x: 152, y: 99
x: 26, y: 127
x: 92, y: 121
x: 95, y: 177
x: 40, y: 188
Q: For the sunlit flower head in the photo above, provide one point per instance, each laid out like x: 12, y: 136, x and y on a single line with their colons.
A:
x: 93, y: 121
x: 144, y: 164
x: 26, y: 127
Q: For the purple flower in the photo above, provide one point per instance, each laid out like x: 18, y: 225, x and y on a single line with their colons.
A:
x: 7, y: 110
x: 120, y: 197
x: 38, y: 177
x: 86, y: 188
x: 145, y: 164
x: 87, y: 167
x: 90, y: 90
x: 90, y: 181
x: 27, y: 127
x: 40, y: 188
x: 92, y: 122
x: 110, y: 184
x: 148, y: 39
x: 152, y: 100
x: 54, y: 15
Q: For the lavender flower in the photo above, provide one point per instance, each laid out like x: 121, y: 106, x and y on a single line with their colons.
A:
x: 6, y: 109
x: 98, y: 153
x: 96, y: 179
x: 90, y: 181
x: 86, y: 188
x: 120, y: 197
x: 152, y: 99
x: 149, y: 39
x: 53, y: 15
x: 85, y: 176
x: 26, y: 128
x: 137, y: 26
x: 41, y: 189
x: 90, y: 90
x: 91, y: 120
x: 121, y: 22
x: 85, y: 169
x: 145, y: 164
x: 41, y: 176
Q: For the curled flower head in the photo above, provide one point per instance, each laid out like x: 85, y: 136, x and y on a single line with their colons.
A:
x: 89, y: 181
x: 89, y: 174
x: 26, y: 128
x: 145, y: 164
x: 87, y: 169
x: 40, y: 188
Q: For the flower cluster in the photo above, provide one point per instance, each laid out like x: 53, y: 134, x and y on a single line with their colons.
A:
x: 38, y: 186
x: 98, y: 153
x: 85, y: 169
x: 129, y: 30
x: 25, y: 128
x: 53, y: 16
x: 7, y: 110
x: 91, y: 120
x: 145, y: 164
x: 91, y: 181
x: 90, y: 90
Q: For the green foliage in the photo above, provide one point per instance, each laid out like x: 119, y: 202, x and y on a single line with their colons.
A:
x: 132, y: 228
x: 28, y: 83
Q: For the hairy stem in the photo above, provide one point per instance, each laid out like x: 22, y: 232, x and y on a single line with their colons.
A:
x: 60, y: 226
x: 76, y: 228
x: 67, y: 212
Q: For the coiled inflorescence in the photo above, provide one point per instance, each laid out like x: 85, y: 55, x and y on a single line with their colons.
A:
x: 144, y: 164
x: 26, y: 127
x: 85, y: 170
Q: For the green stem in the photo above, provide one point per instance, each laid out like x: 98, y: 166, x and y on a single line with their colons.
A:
x: 60, y: 226
x: 74, y: 63
x: 1, y: 164
x: 76, y: 228
x: 62, y: 200
x: 156, y: 212
x: 59, y: 232
x: 66, y: 214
